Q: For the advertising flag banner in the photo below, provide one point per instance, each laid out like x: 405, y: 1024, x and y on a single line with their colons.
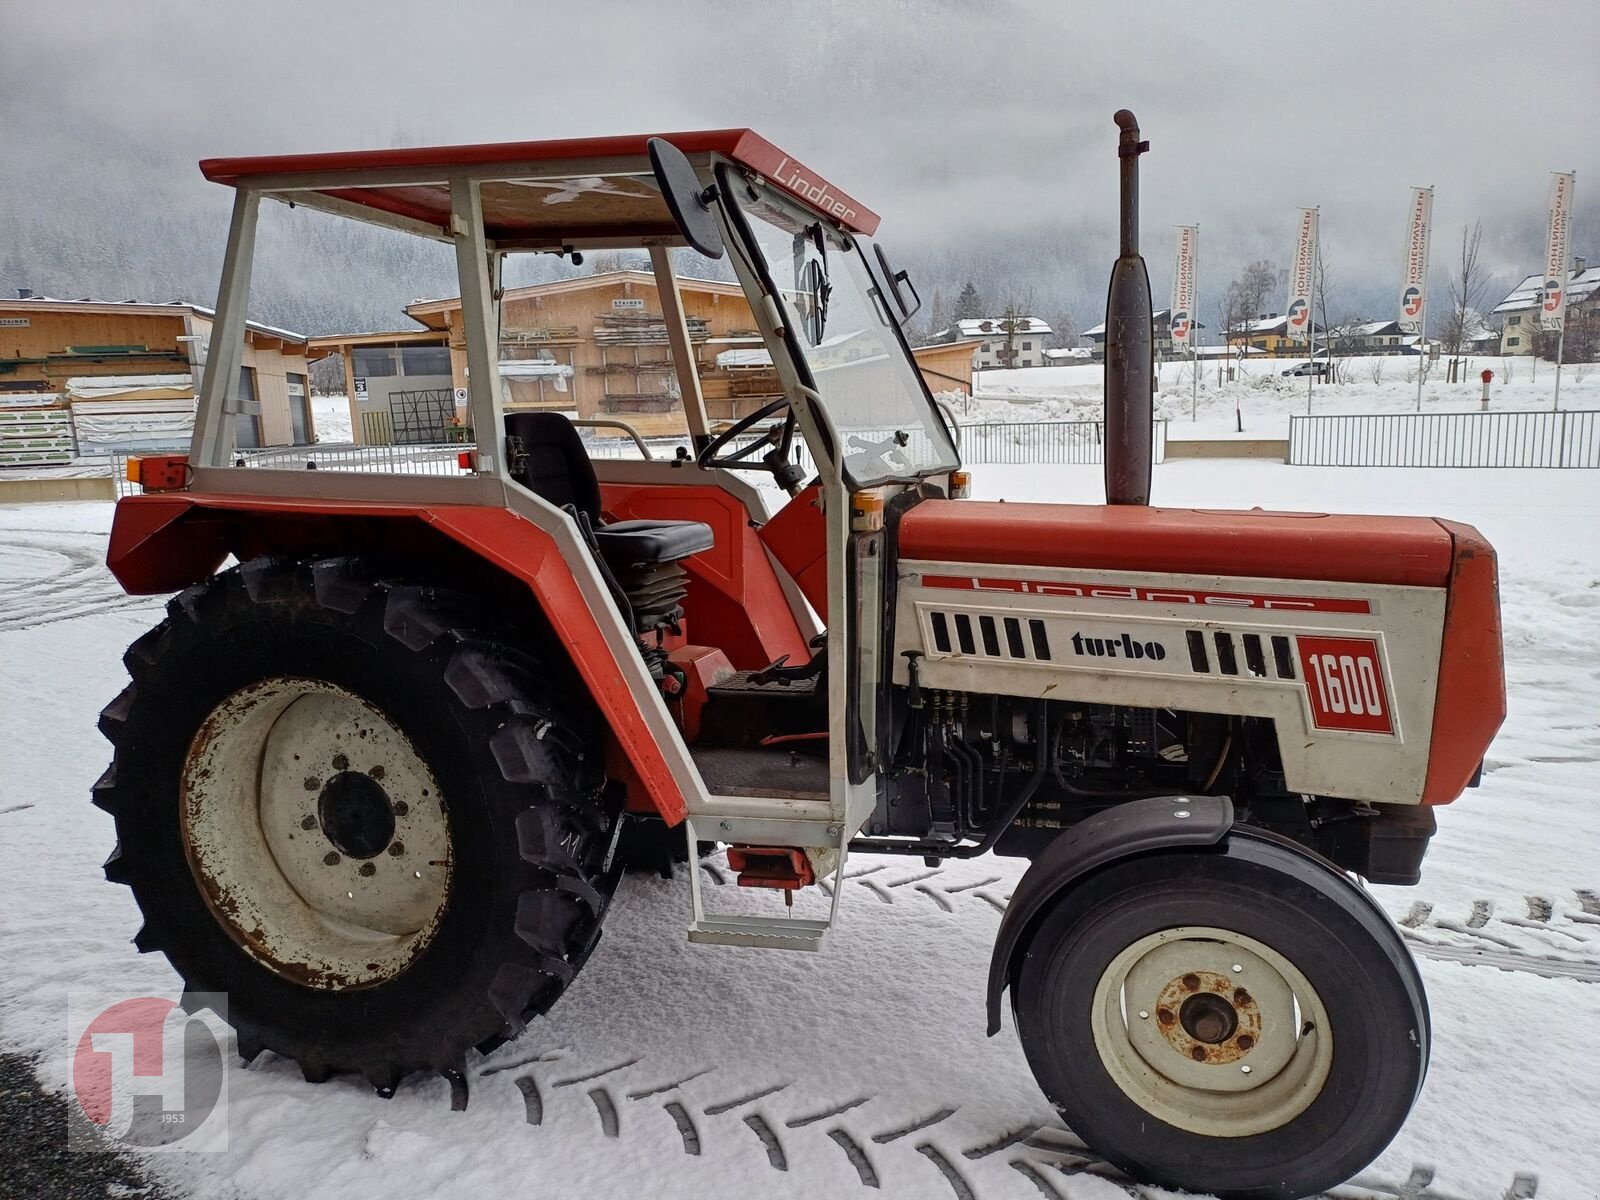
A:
x: 1298, y: 311
x: 1414, y: 291
x: 1183, y: 272
x: 1553, y: 304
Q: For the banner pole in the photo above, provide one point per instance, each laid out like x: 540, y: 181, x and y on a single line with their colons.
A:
x: 1561, y: 343
x: 1311, y: 327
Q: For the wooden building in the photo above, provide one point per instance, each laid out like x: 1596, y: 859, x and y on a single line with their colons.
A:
x: 89, y: 376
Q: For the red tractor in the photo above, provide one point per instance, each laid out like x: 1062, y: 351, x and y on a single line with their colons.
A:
x: 376, y: 781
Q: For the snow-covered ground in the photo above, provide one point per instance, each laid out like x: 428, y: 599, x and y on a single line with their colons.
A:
x: 675, y: 1071
x: 1266, y: 398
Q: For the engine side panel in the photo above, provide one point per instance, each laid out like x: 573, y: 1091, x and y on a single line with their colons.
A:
x: 1347, y: 672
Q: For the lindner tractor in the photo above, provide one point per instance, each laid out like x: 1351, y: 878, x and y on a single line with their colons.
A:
x: 376, y: 780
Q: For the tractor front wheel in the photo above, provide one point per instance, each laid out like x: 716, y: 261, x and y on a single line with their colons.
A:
x: 363, y: 810
x: 1242, y: 1022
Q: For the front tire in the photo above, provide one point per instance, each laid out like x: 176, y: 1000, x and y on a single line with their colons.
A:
x: 1242, y: 1022
x: 362, y: 809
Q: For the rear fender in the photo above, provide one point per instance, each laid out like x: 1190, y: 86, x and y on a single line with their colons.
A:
x: 1129, y: 829
x: 163, y: 543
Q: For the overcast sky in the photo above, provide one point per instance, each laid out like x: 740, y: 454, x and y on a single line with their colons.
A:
x: 958, y: 122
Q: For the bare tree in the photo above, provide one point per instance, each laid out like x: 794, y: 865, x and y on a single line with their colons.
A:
x: 1243, y: 301
x: 1063, y: 331
x: 1467, y: 285
x: 1014, y: 323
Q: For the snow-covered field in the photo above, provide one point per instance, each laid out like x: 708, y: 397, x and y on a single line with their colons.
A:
x: 1266, y: 399
x: 677, y: 1071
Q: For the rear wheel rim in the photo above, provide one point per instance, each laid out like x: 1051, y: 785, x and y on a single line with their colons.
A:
x: 1212, y: 1032
x: 316, y: 832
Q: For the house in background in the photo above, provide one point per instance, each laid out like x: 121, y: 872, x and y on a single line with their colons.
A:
x: 1001, y: 342
x: 1516, y: 318
x: 1269, y: 334
x: 1378, y: 337
x: 87, y: 377
x: 1161, y: 329
x: 592, y: 346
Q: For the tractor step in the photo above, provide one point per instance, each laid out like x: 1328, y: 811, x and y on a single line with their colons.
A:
x: 778, y: 771
x: 767, y: 933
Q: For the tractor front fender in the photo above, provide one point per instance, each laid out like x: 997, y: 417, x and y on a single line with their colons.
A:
x: 1135, y: 827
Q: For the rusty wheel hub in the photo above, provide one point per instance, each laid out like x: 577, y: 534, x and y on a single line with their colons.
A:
x: 1212, y: 1031
x: 317, y: 833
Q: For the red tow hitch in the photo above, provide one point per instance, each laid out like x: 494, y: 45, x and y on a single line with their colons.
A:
x: 781, y: 867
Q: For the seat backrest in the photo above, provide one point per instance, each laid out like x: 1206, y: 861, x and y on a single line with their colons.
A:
x: 557, y: 468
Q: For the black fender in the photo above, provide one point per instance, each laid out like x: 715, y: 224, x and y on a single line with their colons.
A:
x: 1127, y: 829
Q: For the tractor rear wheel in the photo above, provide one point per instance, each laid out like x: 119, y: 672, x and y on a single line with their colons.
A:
x: 1245, y: 1022
x: 361, y: 809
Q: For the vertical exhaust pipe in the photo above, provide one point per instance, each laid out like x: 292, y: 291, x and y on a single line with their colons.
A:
x: 1130, y: 342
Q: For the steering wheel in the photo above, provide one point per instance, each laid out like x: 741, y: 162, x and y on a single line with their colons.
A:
x: 778, y: 460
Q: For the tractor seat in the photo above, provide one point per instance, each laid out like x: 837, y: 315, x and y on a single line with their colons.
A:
x: 551, y: 462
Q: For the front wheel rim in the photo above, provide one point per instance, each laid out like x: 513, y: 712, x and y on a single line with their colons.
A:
x: 316, y: 832
x: 1212, y: 1031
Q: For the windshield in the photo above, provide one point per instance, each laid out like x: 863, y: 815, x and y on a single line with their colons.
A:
x: 869, y: 384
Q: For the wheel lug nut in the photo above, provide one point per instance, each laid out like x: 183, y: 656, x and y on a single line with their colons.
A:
x: 1198, y: 1054
x: 1192, y: 982
x: 1240, y: 996
x: 1245, y: 1041
x: 400, y: 807
x: 308, y: 822
x: 396, y: 849
x: 341, y: 763
x: 330, y: 859
x: 368, y: 869
x: 312, y: 783
x: 376, y: 772
x: 1164, y: 1015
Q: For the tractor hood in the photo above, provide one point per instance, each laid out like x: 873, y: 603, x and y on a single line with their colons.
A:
x: 1408, y: 551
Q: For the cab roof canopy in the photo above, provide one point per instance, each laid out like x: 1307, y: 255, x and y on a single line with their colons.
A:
x: 583, y: 192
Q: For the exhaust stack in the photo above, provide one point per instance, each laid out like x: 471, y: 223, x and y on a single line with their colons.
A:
x: 1130, y: 342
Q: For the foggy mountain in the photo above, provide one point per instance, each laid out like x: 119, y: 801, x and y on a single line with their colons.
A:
x: 983, y: 137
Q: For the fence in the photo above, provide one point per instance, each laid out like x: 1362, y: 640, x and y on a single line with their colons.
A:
x: 1000, y: 443
x: 1461, y: 439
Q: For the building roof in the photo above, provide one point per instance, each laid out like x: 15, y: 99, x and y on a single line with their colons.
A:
x: 1375, y: 329
x: 138, y: 308
x: 986, y: 328
x: 422, y: 309
x: 572, y: 189
x: 1581, y: 286
x: 1098, y: 332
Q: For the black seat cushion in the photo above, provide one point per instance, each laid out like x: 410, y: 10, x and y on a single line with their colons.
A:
x: 636, y: 543
x: 556, y: 468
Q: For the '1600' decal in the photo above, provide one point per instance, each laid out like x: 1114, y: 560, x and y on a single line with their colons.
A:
x: 1344, y: 680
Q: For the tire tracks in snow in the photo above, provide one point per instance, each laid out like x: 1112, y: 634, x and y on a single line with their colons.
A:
x: 879, y: 1140
x: 77, y: 585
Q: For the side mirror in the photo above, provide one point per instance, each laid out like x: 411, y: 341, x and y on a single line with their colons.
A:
x: 687, y: 201
x: 898, y: 283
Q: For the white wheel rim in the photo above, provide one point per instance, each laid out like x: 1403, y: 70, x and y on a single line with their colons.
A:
x: 317, y: 833
x: 1212, y: 1031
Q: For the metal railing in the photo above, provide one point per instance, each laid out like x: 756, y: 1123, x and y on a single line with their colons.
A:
x: 1569, y: 438
x: 996, y: 443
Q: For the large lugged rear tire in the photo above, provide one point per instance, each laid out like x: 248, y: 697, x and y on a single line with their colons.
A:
x: 362, y: 809
x: 1243, y: 1022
